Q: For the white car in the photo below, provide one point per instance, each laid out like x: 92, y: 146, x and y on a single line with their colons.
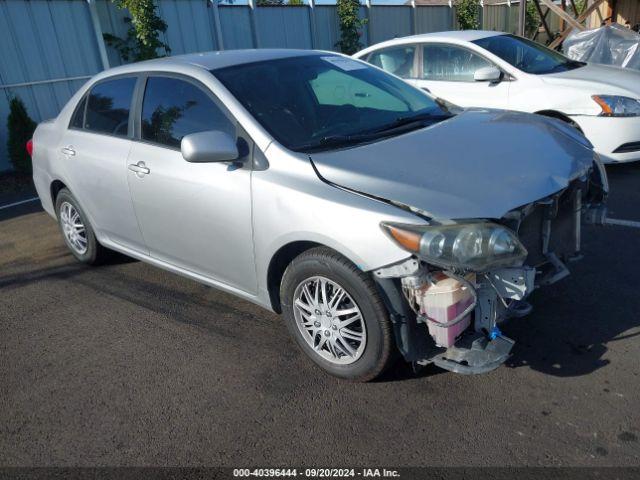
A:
x: 497, y: 70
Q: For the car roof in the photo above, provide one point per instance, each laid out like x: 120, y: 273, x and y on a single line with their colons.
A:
x: 226, y: 58
x: 455, y: 36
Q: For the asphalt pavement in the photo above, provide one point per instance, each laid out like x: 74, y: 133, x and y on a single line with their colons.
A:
x: 126, y: 364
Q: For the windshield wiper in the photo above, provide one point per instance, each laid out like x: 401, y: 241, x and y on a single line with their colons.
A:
x: 568, y: 65
x: 418, y: 119
x: 335, y: 141
x: 400, y: 124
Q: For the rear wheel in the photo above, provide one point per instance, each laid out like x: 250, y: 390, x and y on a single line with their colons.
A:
x: 77, y: 231
x: 336, y: 316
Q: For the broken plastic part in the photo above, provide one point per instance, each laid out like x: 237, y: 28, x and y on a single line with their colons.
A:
x: 475, y: 354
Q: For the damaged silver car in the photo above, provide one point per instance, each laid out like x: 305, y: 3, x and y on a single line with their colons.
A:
x: 375, y: 219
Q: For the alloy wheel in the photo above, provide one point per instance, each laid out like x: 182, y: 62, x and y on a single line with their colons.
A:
x: 329, y: 320
x: 73, y: 228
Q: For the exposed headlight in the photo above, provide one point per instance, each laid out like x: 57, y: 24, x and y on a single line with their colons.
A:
x: 616, y: 106
x: 477, y: 246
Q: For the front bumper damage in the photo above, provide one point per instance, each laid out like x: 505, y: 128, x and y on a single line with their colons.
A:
x: 551, y: 231
x: 498, y: 295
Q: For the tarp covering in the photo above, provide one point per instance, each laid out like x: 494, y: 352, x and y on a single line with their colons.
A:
x: 610, y: 45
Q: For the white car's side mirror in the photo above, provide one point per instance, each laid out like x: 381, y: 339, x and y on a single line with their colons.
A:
x: 487, y: 74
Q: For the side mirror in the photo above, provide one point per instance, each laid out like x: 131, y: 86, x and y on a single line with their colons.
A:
x: 209, y: 146
x: 487, y: 74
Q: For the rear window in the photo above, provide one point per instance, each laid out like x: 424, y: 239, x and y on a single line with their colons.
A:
x: 108, y: 107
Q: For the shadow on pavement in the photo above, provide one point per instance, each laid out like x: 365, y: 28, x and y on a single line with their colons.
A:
x: 574, y: 320
x: 19, y: 210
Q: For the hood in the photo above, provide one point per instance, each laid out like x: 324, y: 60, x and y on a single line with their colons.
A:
x: 478, y: 164
x: 599, y: 78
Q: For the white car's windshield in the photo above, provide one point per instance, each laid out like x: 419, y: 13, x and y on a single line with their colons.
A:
x: 528, y: 56
x: 322, y: 101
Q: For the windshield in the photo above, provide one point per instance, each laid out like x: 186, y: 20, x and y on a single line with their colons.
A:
x: 526, y: 55
x: 316, y: 102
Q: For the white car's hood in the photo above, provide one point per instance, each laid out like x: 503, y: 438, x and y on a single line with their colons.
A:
x: 478, y: 164
x: 599, y: 79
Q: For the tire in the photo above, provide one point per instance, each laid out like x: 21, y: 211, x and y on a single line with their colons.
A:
x: 368, y: 338
x: 93, y: 253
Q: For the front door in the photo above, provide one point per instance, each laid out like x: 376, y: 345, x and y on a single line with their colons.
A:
x: 447, y: 72
x: 94, y: 152
x: 196, y: 216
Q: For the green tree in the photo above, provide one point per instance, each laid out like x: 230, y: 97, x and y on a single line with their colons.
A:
x: 468, y: 14
x: 20, y: 127
x: 350, y: 25
x: 143, y: 36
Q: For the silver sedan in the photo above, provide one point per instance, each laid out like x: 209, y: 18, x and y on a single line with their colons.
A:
x: 376, y: 219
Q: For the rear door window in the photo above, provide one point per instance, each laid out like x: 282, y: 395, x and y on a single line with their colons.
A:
x: 108, y: 107
x: 173, y: 108
x: 396, y: 60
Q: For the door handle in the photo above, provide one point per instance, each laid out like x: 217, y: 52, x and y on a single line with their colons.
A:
x: 68, y: 150
x: 139, y: 168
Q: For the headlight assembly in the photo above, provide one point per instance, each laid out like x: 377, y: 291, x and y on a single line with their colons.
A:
x: 616, y: 106
x: 477, y: 246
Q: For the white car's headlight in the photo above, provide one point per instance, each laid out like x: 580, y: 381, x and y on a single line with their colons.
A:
x: 616, y: 106
x: 477, y: 246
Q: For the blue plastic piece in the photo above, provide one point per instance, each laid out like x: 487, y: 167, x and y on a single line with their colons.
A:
x: 494, y: 333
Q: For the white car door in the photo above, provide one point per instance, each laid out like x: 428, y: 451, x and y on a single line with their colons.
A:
x: 447, y: 71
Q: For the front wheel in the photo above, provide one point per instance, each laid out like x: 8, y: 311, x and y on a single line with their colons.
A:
x: 336, y: 316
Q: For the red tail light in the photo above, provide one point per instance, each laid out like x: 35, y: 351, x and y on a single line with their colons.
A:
x: 30, y: 147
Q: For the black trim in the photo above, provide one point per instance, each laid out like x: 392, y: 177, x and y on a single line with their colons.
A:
x: 628, y: 148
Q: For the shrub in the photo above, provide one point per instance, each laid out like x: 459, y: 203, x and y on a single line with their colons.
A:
x: 350, y: 24
x: 20, y: 127
x: 143, y: 37
x: 468, y: 14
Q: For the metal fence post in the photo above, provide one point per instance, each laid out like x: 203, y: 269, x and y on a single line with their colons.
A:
x: 312, y: 22
x: 522, y: 12
x: 414, y: 18
x: 217, y: 25
x: 254, y: 23
x: 97, y: 30
x: 368, y: 17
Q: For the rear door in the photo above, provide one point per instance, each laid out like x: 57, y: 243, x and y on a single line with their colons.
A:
x: 195, y: 216
x: 94, y: 152
x: 447, y: 72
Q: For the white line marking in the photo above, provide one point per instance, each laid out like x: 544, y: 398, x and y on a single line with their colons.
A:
x: 623, y: 223
x: 19, y: 203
